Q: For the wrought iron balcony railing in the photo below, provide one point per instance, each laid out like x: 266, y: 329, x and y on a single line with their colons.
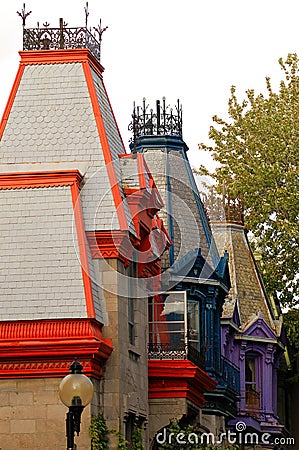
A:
x: 252, y: 403
x: 175, y: 352
x: 230, y: 374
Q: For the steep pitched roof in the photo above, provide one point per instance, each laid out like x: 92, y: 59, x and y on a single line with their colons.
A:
x: 247, y: 291
x: 184, y: 215
x: 58, y: 114
x: 58, y: 135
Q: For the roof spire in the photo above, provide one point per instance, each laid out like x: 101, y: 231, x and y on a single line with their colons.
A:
x: 86, y: 13
x: 100, y: 31
x: 23, y: 14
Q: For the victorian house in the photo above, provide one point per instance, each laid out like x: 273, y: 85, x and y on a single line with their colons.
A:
x: 82, y: 245
x: 71, y: 223
x: 109, y: 256
x: 184, y: 319
x: 253, y: 336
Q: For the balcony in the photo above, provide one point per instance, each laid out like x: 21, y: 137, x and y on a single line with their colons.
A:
x: 174, y: 328
x: 227, y: 393
x: 179, y: 351
x: 251, y: 400
x: 230, y: 374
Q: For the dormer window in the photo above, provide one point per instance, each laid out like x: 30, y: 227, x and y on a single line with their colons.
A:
x: 252, y: 385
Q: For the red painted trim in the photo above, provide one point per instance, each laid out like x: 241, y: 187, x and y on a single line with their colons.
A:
x: 141, y: 171
x: 29, y: 180
x: 45, y: 348
x: 60, y: 56
x: 105, y: 148
x: 83, y: 250
x: 111, y: 245
x: 178, y: 379
x: 48, y: 367
x: 49, y: 329
x: 11, y: 100
x: 150, y: 269
x: 120, y: 245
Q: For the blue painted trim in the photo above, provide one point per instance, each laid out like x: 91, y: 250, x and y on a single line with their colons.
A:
x: 158, y: 142
x: 169, y: 213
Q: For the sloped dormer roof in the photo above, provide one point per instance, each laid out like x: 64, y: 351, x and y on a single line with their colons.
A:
x: 247, y: 292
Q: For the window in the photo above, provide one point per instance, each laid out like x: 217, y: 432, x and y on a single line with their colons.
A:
x: 193, y: 324
x: 130, y: 425
x: 250, y: 375
x: 132, y: 274
x: 133, y: 430
x: 167, y: 320
x: 252, y: 395
x: 131, y: 321
x: 174, y: 320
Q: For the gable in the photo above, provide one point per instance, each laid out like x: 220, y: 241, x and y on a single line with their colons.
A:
x: 259, y: 328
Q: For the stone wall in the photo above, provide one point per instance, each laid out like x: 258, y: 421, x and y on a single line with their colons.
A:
x: 33, y: 417
x: 124, y: 385
x: 162, y: 411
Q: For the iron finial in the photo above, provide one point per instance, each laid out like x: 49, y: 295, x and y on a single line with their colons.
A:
x: 23, y: 14
x: 100, y: 30
x: 86, y: 14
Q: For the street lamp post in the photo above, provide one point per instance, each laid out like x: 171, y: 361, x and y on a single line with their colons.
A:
x: 75, y: 391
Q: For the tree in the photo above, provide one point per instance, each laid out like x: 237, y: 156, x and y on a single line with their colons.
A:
x: 258, y: 152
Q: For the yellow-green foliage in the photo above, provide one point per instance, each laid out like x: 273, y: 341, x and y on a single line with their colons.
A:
x: 258, y: 151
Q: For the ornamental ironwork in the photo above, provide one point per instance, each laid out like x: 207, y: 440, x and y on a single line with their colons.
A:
x: 63, y: 37
x: 223, y: 208
x: 164, y: 120
x: 175, y: 352
x: 230, y: 374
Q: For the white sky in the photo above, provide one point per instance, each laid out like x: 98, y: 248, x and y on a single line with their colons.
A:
x: 193, y: 50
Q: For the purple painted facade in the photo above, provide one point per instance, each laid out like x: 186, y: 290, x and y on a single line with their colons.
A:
x: 251, y: 334
x: 256, y: 351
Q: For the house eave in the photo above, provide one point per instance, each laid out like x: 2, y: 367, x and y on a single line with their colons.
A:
x: 260, y: 339
x: 204, y: 281
x: 230, y: 323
